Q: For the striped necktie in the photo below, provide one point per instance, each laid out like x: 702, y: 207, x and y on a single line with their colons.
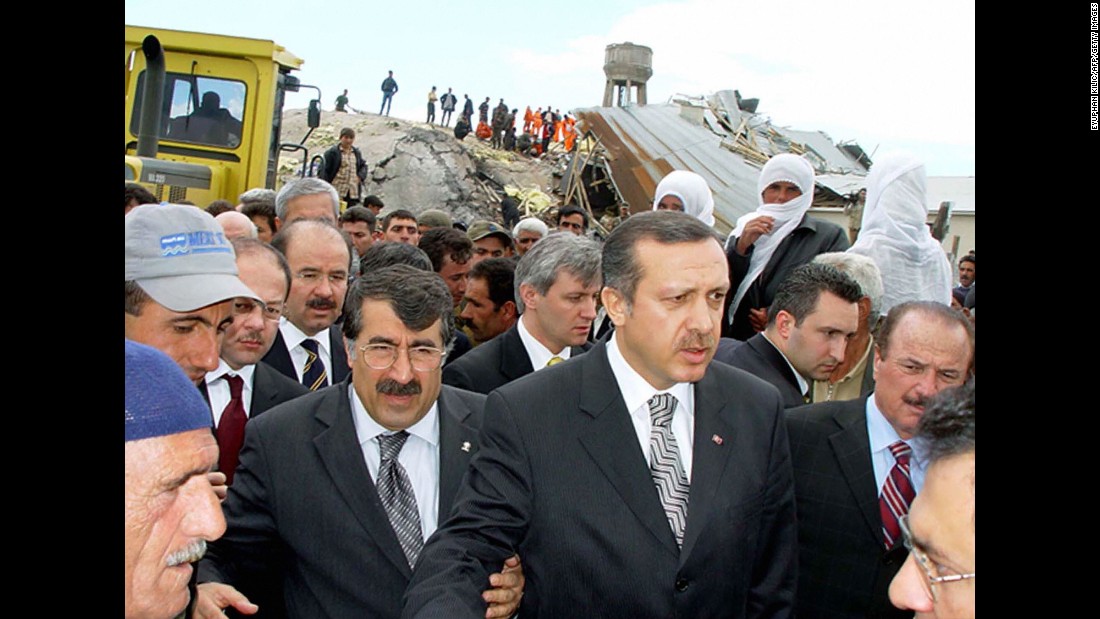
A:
x: 664, y: 464
x: 897, y: 494
x: 313, y: 375
x: 395, y: 490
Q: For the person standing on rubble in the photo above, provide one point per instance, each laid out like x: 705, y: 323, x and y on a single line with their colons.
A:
x: 500, y: 115
x: 432, y: 98
x: 389, y: 89
x: 468, y: 110
x: 447, y: 102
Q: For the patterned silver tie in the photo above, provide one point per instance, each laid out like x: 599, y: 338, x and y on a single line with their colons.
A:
x: 396, y: 492
x: 664, y: 464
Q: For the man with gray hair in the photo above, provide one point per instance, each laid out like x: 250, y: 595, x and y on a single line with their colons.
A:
x: 528, y: 232
x: 556, y: 284
x: 810, y: 321
x: 307, y: 198
x: 375, y: 461
x: 181, y: 280
x: 171, y: 509
x: 855, y: 375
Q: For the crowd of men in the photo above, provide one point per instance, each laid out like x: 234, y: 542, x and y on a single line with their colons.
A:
x: 380, y: 412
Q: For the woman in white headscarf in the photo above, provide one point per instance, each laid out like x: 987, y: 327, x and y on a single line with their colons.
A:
x: 894, y: 234
x: 685, y: 191
x: 773, y: 240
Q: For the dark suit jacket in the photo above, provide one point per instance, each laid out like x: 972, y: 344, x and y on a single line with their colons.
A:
x: 497, y: 362
x: 844, y: 570
x: 303, y: 510
x: 279, y: 357
x: 759, y: 358
x: 562, y: 479
x: 810, y: 238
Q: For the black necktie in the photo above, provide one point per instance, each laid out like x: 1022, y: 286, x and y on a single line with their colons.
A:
x: 313, y: 376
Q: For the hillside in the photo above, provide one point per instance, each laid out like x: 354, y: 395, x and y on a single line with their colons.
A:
x: 417, y: 166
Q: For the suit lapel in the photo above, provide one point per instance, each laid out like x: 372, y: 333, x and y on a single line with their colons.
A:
x: 457, y: 443
x: 852, y: 447
x: 710, y: 457
x: 264, y: 390
x: 610, y: 440
x: 338, y: 446
x: 279, y: 358
x: 514, y: 362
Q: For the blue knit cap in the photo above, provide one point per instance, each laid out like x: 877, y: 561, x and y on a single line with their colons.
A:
x: 160, y: 400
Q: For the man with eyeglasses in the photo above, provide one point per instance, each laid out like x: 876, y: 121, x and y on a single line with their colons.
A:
x: 938, y: 578
x: 857, y: 467
x: 241, y: 387
x: 308, y: 348
x: 338, y: 490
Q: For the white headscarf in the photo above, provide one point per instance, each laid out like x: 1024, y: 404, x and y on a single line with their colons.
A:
x: 789, y: 168
x: 894, y: 234
x: 693, y: 192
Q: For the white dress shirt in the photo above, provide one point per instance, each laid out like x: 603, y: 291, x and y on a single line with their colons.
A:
x: 536, y: 352
x: 637, y: 391
x: 217, y: 388
x: 882, y: 435
x: 293, y: 338
x: 419, y: 456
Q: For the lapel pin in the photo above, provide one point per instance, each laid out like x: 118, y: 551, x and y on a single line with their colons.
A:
x: 466, y: 446
x: 717, y: 439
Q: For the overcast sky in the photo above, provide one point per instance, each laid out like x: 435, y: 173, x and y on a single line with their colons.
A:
x: 889, y: 75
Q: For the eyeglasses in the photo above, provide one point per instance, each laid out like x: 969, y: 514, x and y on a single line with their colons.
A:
x: 271, y: 311
x: 422, y: 358
x: 926, y: 564
x: 313, y: 278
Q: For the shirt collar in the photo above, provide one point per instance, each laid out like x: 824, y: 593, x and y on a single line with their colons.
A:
x: 536, y: 352
x: 366, y: 428
x: 635, y: 389
x: 245, y: 373
x: 293, y: 336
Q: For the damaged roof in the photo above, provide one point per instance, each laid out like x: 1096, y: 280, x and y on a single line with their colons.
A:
x: 714, y: 139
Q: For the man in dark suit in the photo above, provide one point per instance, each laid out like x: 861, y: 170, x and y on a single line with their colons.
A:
x: 845, y: 454
x: 814, y: 313
x: 556, y: 283
x: 638, y: 480
x: 337, y: 490
x: 308, y: 347
x: 258, y: 387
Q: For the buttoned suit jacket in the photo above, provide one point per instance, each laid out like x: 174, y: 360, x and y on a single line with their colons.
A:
x: 279, y: 357
x: 561, y: 478
x: 758, y: 357
x: 844, y: 568
x: 303, y: 511
x: 496, y: 362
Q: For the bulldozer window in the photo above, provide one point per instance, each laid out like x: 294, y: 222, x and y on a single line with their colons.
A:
x: 198, y: 110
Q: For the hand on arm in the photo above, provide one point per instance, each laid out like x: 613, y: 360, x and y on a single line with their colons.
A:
x: 758, y: 318
x: 507, y: 590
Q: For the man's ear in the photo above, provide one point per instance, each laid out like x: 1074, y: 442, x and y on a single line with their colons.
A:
x: 615, y: 304
x: 530, y: 297
x: 784, y: 324
x: 508, y: 310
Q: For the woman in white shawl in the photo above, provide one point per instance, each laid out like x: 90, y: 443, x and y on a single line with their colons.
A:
x: 894, y: 234
x: 773, y: 240
x: 685, y: 191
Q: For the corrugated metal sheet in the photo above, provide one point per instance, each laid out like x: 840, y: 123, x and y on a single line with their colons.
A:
x: 832, y: 159
x: 644, y: 143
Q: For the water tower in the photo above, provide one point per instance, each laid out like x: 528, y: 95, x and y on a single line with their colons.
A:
x: 626, y: 65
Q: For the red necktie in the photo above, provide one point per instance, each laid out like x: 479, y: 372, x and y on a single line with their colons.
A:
x: 230, y: 433
x: 897, y: 494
